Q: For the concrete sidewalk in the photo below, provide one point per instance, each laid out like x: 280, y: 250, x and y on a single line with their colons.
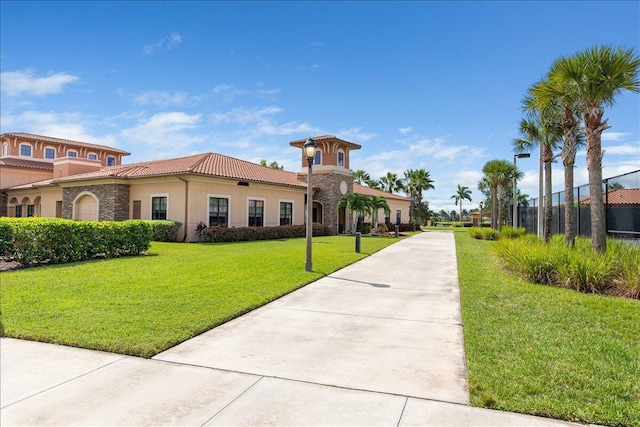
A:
x: 377, y: 343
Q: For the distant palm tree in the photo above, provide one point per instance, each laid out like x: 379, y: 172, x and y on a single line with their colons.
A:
x: 498, y: 175
x: 355, y: 203
x: 391, y: 183
x: 375, y: 204
x: 374, y: 183
x: 462, y: 193
x: 603, y: 73
x: 360, y: 177
x: 415, y: 182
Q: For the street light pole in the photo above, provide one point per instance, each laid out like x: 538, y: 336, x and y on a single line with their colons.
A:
x: 310, y: 152
x: 515, y: 183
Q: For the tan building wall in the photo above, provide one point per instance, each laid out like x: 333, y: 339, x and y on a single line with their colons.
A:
x: 10, y: 176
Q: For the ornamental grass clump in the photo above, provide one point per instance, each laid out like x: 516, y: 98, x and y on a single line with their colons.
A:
x: 616, y: 272
x: 483, y: 233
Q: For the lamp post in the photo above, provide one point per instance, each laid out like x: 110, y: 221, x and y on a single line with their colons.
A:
x: 309, y: 148
x: 515, y: 183
x: 480, y: 214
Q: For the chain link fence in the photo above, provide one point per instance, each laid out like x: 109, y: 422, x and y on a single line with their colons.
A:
x: 622, y: 208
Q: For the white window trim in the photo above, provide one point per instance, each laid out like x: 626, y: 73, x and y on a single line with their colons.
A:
x: 80, y: 195
x: 5, y: 149
x: 115, y: 160
x: 264, y: 210
x: 293, y: 210
x: 73, y: 151
x: 344, y: 158
x: 318, y: 151
x: 20, y: 149
x: 92, y: 153
x: 44, y: 152
x: 151, y: 196
x: 221, y: 196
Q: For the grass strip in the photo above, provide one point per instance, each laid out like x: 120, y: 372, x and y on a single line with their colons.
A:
x: 547, y: 351
x: 141, y: 306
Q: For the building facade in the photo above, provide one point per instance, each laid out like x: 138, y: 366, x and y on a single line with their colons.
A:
x: 89, y: 182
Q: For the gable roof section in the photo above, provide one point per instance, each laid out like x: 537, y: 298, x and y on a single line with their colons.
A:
x: 78, y: 144
x: 207, y: 164
x: 367, y: 191
x: 26, y: 164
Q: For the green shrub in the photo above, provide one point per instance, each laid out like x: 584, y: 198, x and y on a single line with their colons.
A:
x: 244, y: 234
x: 615, y: 272
x: 512, y: 233
x: 484, y: 233
x: 364, y: 227
x: 164, y: 230
x: 55, y: 241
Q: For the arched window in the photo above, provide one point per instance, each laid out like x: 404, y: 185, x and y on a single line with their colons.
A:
x: 72, y: 153
x: 5, y: 149
x: 340, y: 158
x: 49, y: 153
x: 92, y: 156
x: 26, y: 150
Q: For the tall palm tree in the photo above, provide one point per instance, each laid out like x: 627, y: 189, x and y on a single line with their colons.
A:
x: 373, y: 183
x: 543, y: 130
x: 375, y: 204
x: 360, y: 177
x: 557, y: 92
x: 499, y: 174
x: 462, y: 193
x: 416, y: 182
x: 355, y: 203
x: 602, y: 73
x: 391, y: 183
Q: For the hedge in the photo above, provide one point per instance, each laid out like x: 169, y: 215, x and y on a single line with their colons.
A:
x: 219, y: 234
x: 164, y: 230
x: 34, y: 240
x: 402, y: 228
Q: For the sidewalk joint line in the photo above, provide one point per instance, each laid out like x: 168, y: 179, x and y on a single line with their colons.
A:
x: 232, y: 401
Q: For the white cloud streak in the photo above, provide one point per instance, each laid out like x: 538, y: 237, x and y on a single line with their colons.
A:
x: 166, y: 43
x: 25, y: 82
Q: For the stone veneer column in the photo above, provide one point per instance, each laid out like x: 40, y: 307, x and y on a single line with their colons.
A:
x: 329, y: 195
x: 113, y: 200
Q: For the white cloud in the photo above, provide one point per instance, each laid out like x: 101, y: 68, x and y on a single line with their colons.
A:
x: 230, y: 93
x: 25, y: 82
x: 355, y: 135
x: 164, y: 98
x: 166, y: 43
x: 244, y: 115
x: 165, y: 134
x: 405, y: 131
x: 623, y: 150
x: 613, y: 136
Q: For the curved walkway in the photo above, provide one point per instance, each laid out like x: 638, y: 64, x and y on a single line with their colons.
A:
x: 377, y: 343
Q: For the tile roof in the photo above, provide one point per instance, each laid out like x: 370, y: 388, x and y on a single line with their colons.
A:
x: 621, y: 196
x: 41, y: 138
x: 367, y: 191
x: 208, y: 164
x: 24, y: 163
x: 299, y: 142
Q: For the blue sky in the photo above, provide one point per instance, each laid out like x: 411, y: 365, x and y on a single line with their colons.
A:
x: 433, y: 85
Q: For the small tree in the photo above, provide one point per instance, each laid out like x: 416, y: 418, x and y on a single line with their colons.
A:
x: 355, y: 203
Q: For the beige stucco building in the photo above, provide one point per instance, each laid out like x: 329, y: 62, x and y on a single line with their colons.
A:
x: 51, y: 177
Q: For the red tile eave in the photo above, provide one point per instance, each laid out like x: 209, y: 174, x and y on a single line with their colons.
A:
x: 42, y: 138
x: 299, y: 142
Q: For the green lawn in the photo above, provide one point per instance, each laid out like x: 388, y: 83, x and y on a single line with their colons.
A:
x: 144, y: 305
x: 544, y: 350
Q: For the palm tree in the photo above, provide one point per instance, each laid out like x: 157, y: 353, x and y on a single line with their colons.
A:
x: 543, y: 130
x: 499, y: 174
x: 360, y: 177
x: 375, y: 204
x: 391, y: 183
x: 417, y: 181
x: 374, y: 183
x: 557, y: 92
x: 602, y: 73
x: 461, y: 194
x: 355, y: 203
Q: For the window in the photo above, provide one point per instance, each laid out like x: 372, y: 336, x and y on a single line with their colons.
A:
x: 218, y: 211
x: 159, y: 207
x: 72, y: 153
x: 5, y: 149
x: 340, y: 158
x: 25, y: 150
x: 111, y: 161
x: 49, y: 153
x: 18, y: 211
x: 31, y: 210
x: 256, y: 213
x: 317, y: 158
x: 286, y: 213
x: 92, y: 156
x: 398, y: 216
